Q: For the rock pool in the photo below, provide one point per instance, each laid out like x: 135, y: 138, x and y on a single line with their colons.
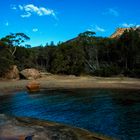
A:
x: 114, y: 113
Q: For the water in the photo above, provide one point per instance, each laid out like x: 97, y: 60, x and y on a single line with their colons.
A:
x: 115, y: 113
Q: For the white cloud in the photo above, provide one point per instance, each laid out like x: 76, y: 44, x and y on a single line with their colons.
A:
x: 20, y: 7
x: 95, y: 28
x: 126, y: 25
x: 13, y: 7
x: 138, y: 26
x: 35, y: 30
x: 32, y: 9
x: 90, y: 29
x: 28, y: 14
x: 7, y: 24
x: 112, y: 12
x: 99, y: 29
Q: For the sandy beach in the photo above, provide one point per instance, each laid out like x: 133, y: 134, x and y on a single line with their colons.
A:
x: 69, y: 82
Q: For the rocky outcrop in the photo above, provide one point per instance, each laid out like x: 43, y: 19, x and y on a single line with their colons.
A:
x: 119, y: 32
x: 12, y: 73
x: 16, y: 128
x: 30, y: 74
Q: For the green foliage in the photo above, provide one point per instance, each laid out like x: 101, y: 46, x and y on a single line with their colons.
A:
x: 68, y: 60
x: 87, y: 34
x: 23, y: 58
x: 5, y: 61
x: 15, y: 39
x: 85, y: 54
x: 4, y: 65
x: 107, y: 71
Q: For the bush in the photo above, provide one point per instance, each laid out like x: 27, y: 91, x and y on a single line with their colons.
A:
x: 107, y: 71
x: 4, y: 65
x: 132, y: 73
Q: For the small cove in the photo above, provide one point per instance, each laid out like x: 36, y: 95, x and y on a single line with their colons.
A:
x: 115, y: 113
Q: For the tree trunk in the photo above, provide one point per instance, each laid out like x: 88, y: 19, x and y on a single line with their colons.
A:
x: 12, y: 52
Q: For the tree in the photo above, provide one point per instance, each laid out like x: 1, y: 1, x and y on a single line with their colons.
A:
x: 5, y: 59
x: 83, y: 54
x: 14, y: 40
x: 87, y: 34
x: 129, y: 48
x: 68, y: 60
x: 89, y: 43
x: 23, y: 58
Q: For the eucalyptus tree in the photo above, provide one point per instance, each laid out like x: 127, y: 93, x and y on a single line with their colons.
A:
x: 89, y: 43
x: 14, y: 40
x: 129, y: 47
x: 68, y: 59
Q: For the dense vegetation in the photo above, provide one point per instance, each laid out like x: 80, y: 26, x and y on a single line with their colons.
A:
x: 85, y: 54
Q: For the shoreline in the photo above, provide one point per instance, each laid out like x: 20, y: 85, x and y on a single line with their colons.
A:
x: 23, y: 126
x: 55, y: 82
x: 71, y: 82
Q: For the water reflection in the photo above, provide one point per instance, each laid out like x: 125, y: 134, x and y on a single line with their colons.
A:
x: 114, y: 113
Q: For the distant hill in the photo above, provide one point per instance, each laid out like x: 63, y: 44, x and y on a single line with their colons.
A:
x: 116, y: 34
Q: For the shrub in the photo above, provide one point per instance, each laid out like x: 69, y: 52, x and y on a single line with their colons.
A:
x: 4, y: 65
x: 107, y: 71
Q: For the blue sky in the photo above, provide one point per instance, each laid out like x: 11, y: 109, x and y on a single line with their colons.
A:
x: 60, y: 20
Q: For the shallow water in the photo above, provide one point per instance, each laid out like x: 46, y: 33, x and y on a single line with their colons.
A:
x: 115, y: 113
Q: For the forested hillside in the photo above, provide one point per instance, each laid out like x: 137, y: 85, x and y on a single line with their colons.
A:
x: 85, y: 54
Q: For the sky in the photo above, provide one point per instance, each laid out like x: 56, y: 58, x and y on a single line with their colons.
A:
x: 60, y: 20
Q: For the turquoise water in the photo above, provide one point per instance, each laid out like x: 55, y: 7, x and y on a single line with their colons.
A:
x: 115, y: 113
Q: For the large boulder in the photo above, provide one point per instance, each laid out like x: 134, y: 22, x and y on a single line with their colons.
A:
x: 33, y: 86
x: 12, y: 73
x: 30, y: 74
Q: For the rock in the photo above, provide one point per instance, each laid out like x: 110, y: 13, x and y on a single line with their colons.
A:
x: 33, y: 86
x: 120, y: 31
x: 15, y: 128
x: 30, y: 74
x: 12, y: 73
